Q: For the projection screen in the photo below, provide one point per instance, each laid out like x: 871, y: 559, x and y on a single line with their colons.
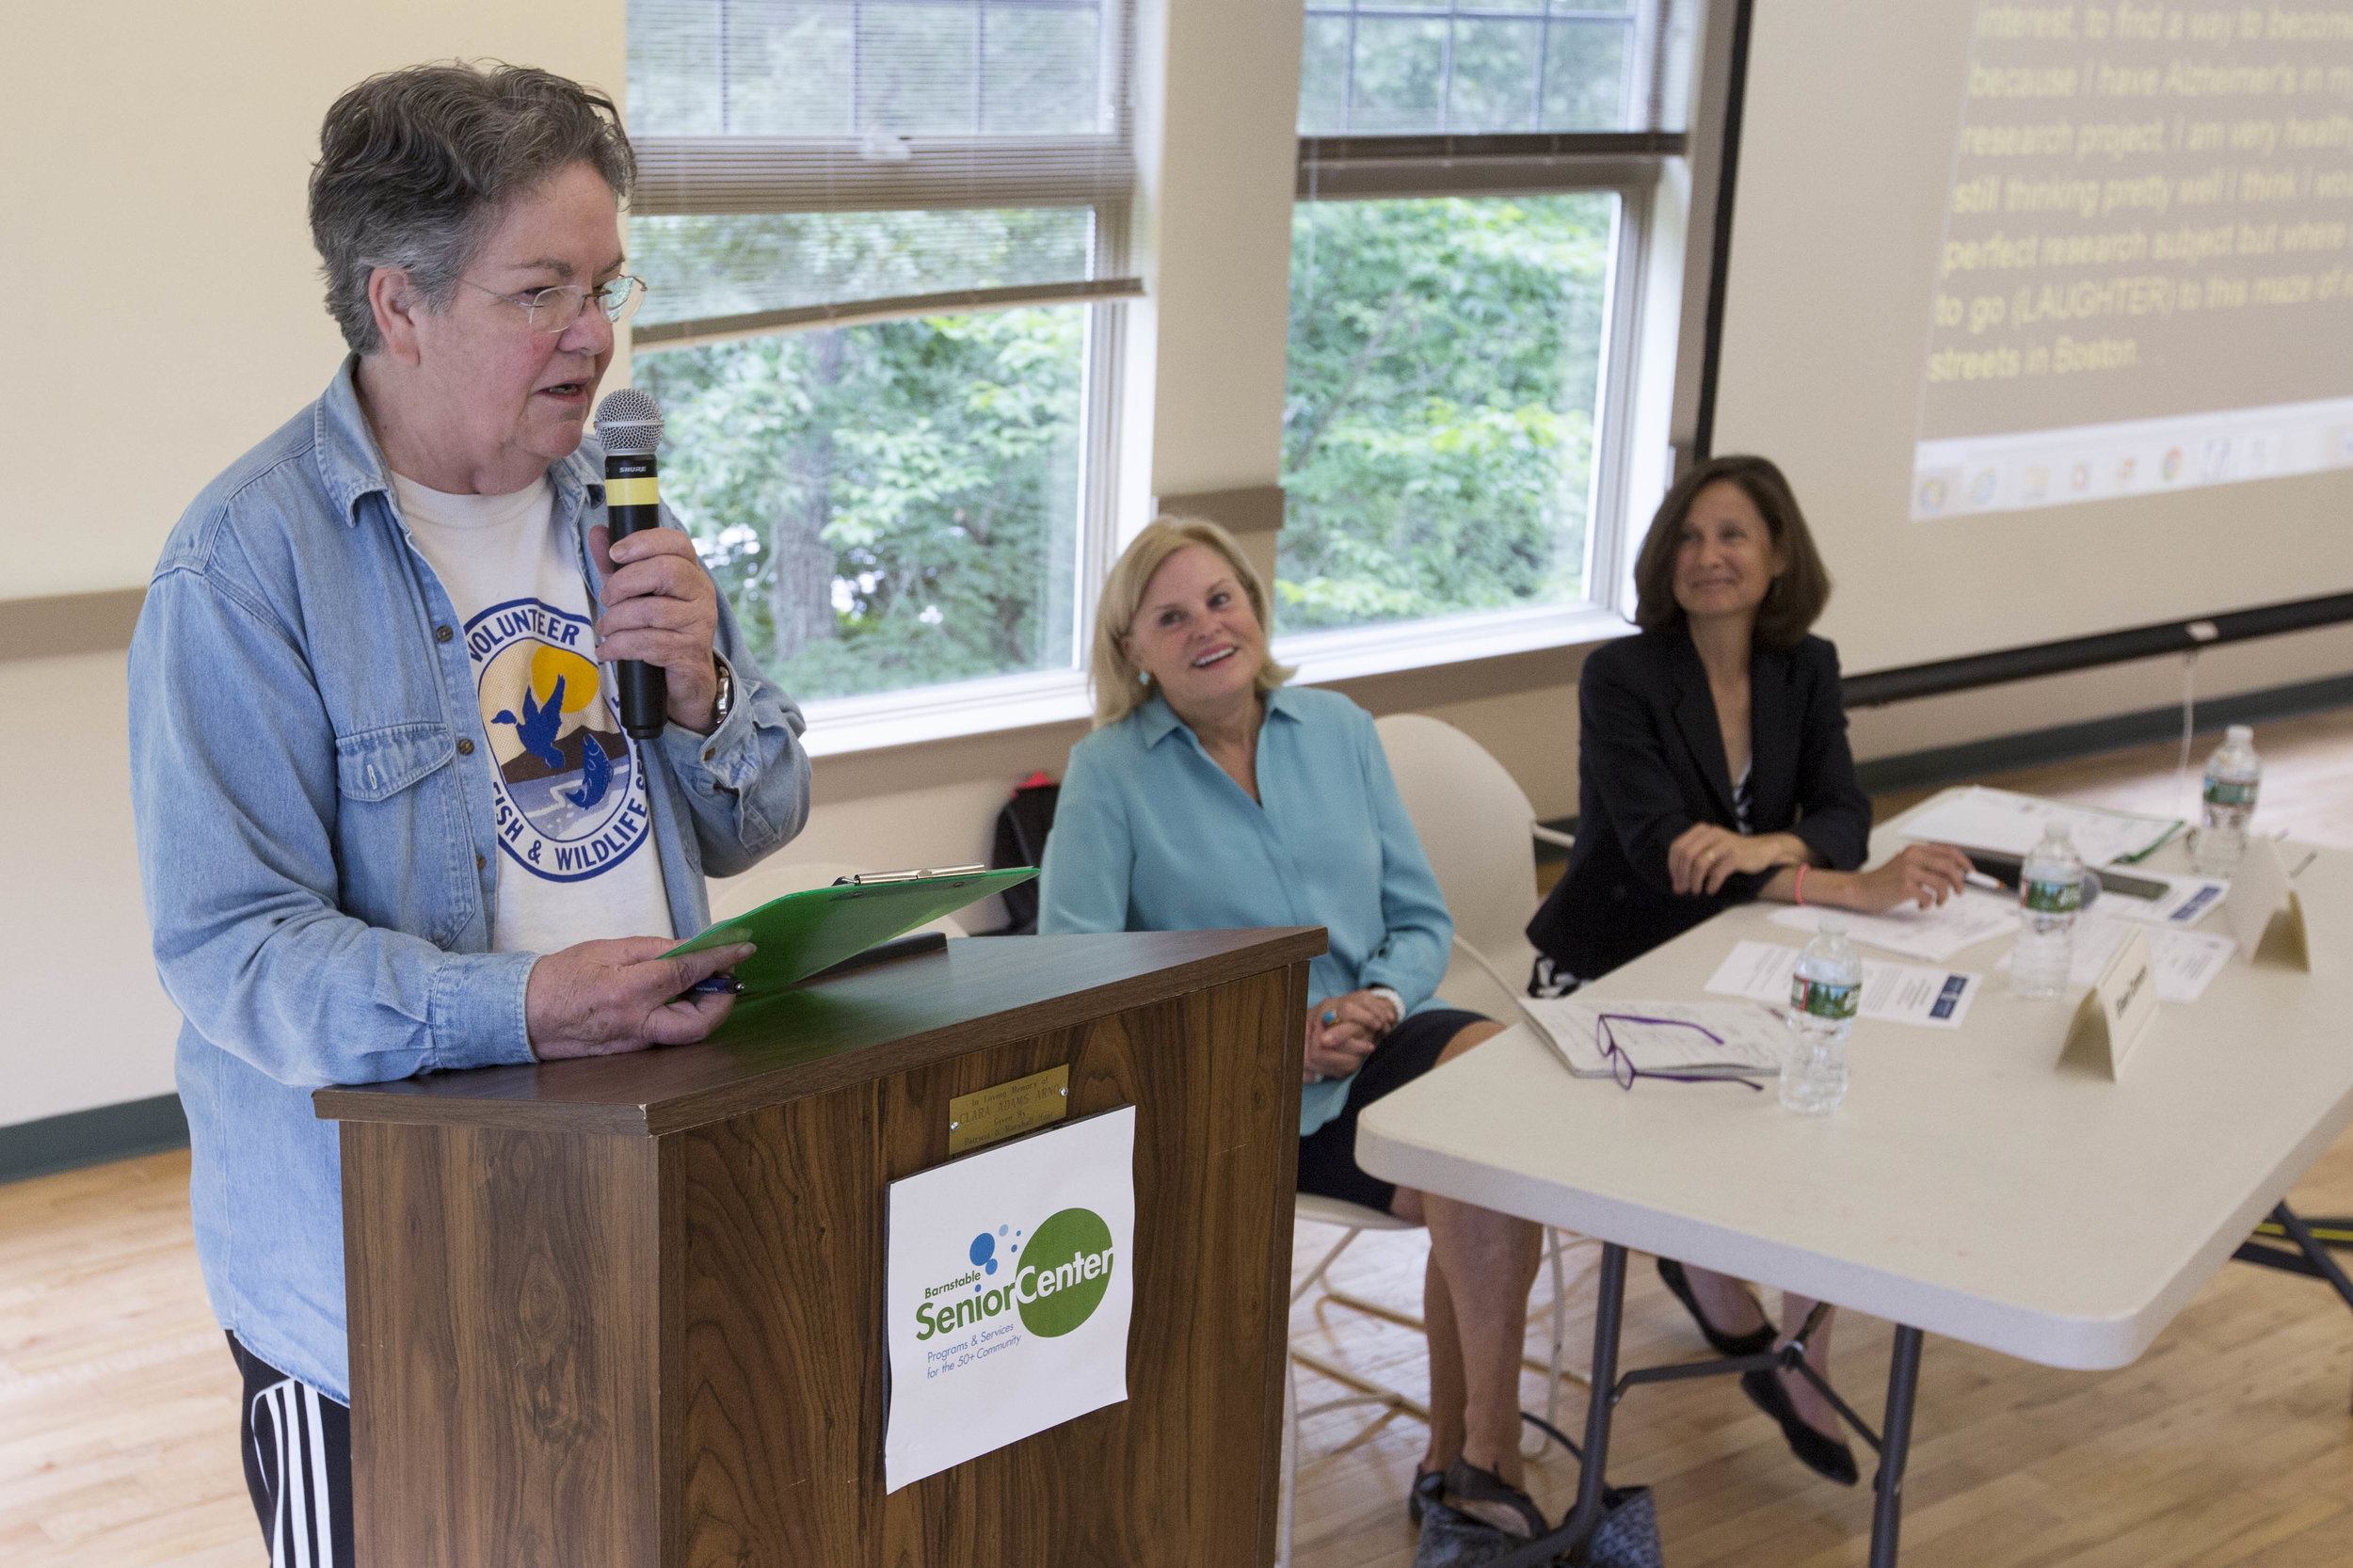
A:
x: 2047, y: 310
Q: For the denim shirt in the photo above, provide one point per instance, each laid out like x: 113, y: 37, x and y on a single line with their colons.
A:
x: 313, y: 789
x: 1151, y: 834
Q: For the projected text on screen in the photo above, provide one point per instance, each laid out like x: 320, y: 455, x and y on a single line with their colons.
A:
x: 2143, y: 284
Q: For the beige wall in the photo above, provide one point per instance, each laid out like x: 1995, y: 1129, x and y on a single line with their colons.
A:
x: 1204, y: 383
x: 169, y: 312
x: 169, y: 316
x: 2063, y: 700
x: 88, y: 1024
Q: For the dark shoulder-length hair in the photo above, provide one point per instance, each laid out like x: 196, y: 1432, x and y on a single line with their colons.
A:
x: 1793, y: 603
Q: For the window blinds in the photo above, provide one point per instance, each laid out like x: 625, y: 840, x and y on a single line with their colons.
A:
x: 1374, y: 68
x: 819, y: 161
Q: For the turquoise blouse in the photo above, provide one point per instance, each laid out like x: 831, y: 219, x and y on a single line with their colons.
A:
x: 1151, y: 835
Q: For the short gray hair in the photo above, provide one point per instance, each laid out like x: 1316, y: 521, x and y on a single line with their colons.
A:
x: 415, y: 164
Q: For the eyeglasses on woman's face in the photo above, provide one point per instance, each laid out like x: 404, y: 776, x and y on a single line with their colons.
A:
x: 553, y: 309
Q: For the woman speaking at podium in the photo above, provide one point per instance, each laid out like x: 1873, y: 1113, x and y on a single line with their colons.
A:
x: 389, y: 823
x: 1713, y: 768
x: 1211, y: 796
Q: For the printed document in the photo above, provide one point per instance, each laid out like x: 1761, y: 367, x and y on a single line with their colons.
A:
x: 1891, y: 993
x: 2186, y: 961
x: 2187, y: 900
x: 1960, y: 922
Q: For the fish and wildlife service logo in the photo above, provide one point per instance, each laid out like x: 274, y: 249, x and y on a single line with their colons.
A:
x: 572, y: 795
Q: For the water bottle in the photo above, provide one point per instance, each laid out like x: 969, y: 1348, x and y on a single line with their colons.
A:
x: 2049, y: 900
x: 1824, y: 991
x: 2234, y: 774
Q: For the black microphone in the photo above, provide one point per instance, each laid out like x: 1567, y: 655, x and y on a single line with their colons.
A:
x: 629, y: 422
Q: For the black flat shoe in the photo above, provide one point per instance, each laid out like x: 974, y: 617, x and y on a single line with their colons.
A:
x: 1429, y: 1487
x: 1824, y: 1456
x: 1756, y: 1342
x: 1466, y: 1483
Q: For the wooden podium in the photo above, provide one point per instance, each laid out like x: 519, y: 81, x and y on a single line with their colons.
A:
x: 628, y: 1312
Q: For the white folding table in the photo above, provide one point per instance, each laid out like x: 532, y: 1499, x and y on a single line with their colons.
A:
x: 1972, y: 1184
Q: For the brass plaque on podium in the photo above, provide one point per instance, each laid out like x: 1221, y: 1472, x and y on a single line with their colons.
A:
x: 1003, y: 1110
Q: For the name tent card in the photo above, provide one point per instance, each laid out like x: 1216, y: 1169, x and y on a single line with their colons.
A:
x: 2119, y: 1007
x: 1009, y: 1289
x: 2266, y: 915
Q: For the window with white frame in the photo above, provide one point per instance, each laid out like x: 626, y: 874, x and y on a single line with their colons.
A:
x: 1476, y: 182
x: 882, y: 238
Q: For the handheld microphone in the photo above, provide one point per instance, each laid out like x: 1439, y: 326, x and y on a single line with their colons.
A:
x: 629, y: 422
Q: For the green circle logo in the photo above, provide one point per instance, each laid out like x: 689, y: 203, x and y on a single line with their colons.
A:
x: 1066, y: 1267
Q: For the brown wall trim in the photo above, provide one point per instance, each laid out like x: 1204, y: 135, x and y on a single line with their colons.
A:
x: 62, y: 624
x: 1252, y: 509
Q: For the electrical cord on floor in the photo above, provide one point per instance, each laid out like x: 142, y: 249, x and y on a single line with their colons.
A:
x: 1554, y: 1433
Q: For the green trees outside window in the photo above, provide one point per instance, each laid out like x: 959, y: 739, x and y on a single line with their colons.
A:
x: 885, y: 505
x: 1444, y: 377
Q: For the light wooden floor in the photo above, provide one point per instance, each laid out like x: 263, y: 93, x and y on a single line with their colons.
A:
x: 2230, y: 1442
x: 117, y: 1399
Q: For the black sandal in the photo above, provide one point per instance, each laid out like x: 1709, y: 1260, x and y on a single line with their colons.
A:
x: 1466, y: 1483
x: 1429, y: 1487
x: 1824, y: 1456
x: 1756, y: 1342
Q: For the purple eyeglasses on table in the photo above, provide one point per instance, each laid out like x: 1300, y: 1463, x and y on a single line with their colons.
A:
x: 1621, y: 1066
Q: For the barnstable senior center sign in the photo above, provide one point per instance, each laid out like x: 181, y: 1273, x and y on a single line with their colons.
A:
x: 1009, y: 1293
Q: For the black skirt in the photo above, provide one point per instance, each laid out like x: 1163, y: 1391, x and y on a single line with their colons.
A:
x: 1327, y: 1157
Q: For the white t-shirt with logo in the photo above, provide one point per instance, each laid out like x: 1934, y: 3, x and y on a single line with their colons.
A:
x: 576, y: 857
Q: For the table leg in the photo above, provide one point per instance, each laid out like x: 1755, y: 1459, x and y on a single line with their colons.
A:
x: 1602, y: 1396
x: 2323, y: 1264
x: 1904, y: 1383
x: 1608, y: 1312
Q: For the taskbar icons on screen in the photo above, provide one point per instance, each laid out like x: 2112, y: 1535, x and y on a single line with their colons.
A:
x: 1957, y: 477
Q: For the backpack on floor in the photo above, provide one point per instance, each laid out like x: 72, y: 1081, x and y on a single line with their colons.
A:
x: 1021, y: 828
x: 1627, y: 1536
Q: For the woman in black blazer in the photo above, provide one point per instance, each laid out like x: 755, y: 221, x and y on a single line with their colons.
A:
x: 1713, y: 768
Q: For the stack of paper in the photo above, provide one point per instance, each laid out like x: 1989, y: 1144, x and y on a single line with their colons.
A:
x: 2014, y: 823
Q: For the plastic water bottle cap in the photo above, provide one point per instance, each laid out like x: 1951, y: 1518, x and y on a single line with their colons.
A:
x: 2238, y: 735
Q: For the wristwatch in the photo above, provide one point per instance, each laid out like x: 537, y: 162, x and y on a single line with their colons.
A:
x: 723, y: 703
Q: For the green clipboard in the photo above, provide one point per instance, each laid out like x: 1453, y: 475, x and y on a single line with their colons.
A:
x: 802, y: 933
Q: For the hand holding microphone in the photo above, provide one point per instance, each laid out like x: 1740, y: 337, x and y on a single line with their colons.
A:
x: 660, y: 608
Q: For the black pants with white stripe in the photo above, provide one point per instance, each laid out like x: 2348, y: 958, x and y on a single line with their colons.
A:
x: 298, y: 1465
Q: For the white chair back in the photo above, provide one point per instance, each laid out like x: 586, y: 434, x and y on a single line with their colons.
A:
x: 772, y: 878
x: 1474, y: 821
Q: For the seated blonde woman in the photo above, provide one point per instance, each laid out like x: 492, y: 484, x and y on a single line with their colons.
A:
x: 1210, y: 797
